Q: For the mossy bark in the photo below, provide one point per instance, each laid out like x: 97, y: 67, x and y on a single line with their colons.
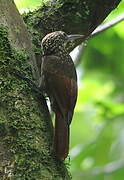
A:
x: 26, y: 132
x: 25, y: 125
x: 25, y: 144
x: 70, y: 16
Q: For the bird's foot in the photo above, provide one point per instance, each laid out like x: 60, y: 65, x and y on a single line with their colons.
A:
x: 31, y: 84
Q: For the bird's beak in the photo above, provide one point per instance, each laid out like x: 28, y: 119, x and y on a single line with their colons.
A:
x: 73, y: 37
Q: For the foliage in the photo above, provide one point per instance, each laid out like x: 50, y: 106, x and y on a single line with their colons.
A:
x: 97, y: 130
x: 26, y: 5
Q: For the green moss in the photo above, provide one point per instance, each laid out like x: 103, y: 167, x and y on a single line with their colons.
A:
x: 5, y: 49
x: 23, y: 132
x: 20, y: 121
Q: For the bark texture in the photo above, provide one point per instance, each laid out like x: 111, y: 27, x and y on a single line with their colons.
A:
x: 25, y: 125
x: 71, y: 16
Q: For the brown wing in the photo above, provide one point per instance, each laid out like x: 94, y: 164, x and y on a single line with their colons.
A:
x: 61, y: 87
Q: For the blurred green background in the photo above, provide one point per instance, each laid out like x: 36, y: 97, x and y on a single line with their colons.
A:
x: 97, y: 129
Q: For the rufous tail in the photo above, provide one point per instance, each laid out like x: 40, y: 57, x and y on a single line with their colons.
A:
x: 61, y: 138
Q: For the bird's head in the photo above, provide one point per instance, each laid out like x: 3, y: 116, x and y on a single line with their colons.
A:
x: 56, y: 41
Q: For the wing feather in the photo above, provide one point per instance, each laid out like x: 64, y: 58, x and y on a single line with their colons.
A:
x: 61, y: 87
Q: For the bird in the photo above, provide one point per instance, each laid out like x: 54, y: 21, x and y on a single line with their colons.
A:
x: 59, y: 81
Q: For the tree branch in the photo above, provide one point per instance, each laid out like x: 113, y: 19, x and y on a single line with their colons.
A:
x: 103, y: 27
x: 72, y: 17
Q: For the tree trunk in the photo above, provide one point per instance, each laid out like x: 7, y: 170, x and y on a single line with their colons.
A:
x: 26, y: 131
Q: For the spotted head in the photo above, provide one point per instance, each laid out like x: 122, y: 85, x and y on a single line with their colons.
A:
x: 53, y: 41
x: 56, y: 41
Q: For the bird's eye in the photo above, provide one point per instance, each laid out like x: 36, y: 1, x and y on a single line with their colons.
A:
x: 64, y: 34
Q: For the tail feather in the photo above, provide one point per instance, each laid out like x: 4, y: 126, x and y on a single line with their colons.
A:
x: 61, y: 139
